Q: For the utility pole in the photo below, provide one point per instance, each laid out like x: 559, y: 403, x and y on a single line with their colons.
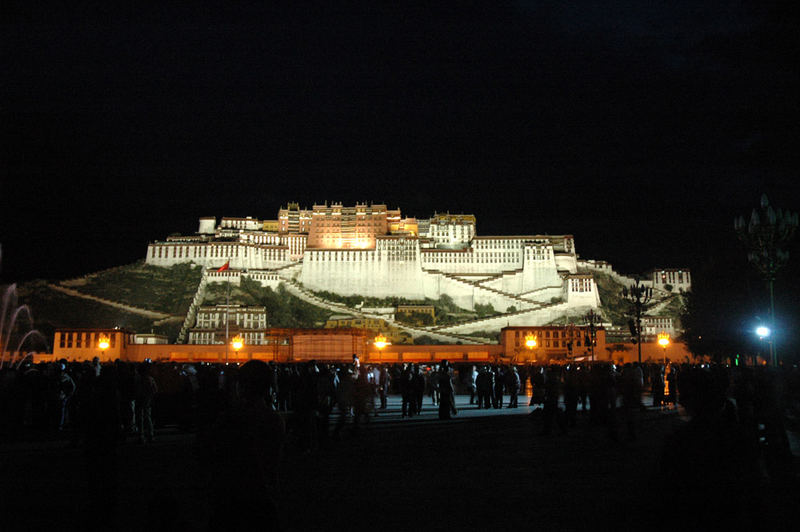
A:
x: 591, y: 320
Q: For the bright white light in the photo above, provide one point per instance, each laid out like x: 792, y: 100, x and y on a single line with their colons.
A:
x: 762, y: 331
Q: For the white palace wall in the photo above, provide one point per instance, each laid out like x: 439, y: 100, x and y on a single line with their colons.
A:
x: 392, y: 269
x: 242, y: 255
x: 494, y: 270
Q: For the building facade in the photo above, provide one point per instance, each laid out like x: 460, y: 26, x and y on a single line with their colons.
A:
x: 216, y: 323
x: 371, y: 250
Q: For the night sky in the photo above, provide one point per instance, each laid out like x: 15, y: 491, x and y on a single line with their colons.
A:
x: 642, y: 128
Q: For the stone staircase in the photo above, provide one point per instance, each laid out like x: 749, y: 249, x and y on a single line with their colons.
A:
x: 191, y: 315
x: 476, y: 286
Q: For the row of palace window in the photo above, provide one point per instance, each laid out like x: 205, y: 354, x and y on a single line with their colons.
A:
x: 84, y: 339
x: 210, y: 251
x: 672, y: 277
x: 494, y: 244
x: 581, y: 285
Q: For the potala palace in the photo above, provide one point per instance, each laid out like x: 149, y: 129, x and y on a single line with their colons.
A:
x: 370, y: 250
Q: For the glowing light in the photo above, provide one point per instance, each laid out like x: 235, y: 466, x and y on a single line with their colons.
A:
x: 663, y: 340
x: 530, y: 341
x: 380, y: 341
x: 237, y: 342
x: 763, y: 332
x: 103, y: 342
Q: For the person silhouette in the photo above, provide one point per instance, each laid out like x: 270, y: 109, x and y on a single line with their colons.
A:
x: 241, y: 456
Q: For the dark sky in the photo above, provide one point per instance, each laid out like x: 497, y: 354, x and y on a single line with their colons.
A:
x: 640, y: 127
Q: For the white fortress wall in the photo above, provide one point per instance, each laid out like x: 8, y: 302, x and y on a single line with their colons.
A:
x: 266, y: 279
x: 566, y: 262
x: 540, y: 269
x: 582, y: 291
x: 215, y: 254
x: 391, y: 269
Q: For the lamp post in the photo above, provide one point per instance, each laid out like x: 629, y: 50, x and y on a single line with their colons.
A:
x: 663, y: 341
x: 591, y: 319
x: 103, y: 342
x: 765, y: 237
x: 531, y: 343
x: 380, y: 342
x: 763, y: 332
x: 639, y: 295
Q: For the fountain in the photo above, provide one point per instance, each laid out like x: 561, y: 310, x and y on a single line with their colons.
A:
x: 11, y: 326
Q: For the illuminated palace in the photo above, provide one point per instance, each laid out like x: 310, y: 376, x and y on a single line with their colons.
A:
x: 371, y: 250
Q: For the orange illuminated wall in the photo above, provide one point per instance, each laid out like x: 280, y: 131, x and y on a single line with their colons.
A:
x: 552, y: 342
x: 339, y: 227
x: 83, y: 344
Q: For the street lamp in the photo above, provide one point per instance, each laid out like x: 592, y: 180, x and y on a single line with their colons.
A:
x: 640, y: 296
x: 380, y: 342
x: 764, y: 332
x: 766, y: 237
x: 663, y: 341
x: 103, y: 342
x: 531, y: 343
x: 591, y: 319
x: 237, y: 342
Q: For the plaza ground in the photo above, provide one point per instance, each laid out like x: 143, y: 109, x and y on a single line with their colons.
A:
x: 483, y: 470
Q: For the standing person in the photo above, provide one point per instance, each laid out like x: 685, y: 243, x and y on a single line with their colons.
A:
x: 473, y: 382
x: 552, y: 391
x: 447, y: 397
x: 241, y: 485
x: 657, y: 384
x: 672, y: 384
x: 513, y: 385
x: 419, y: 388
x: 434, y: 383
x: 571, y: 395
x: 499, y: 382
x: 537, y: 385
x: 383, y: 386
x: 146, y: 390
x: 66, y: 389
x: 363, y: 397
x: 344, y: 399
x: 306, y: 406
x: 485, y: 388
x: 407, y: 392
x: 631, y: 398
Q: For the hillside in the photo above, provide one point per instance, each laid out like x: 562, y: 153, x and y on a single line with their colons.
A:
x: 137, y: 296
x: 147, y: 298
x: 167, y: 290
x: 53, y: 309
x: 283, y: 309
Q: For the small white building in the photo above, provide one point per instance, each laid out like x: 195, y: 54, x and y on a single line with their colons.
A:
x: 150, y: 339
x: 672, y: 279
x: 210, y: 327
x: 655, y: 325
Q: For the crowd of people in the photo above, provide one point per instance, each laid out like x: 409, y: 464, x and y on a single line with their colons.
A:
x: 308, y: 406
x: 318, y: 400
